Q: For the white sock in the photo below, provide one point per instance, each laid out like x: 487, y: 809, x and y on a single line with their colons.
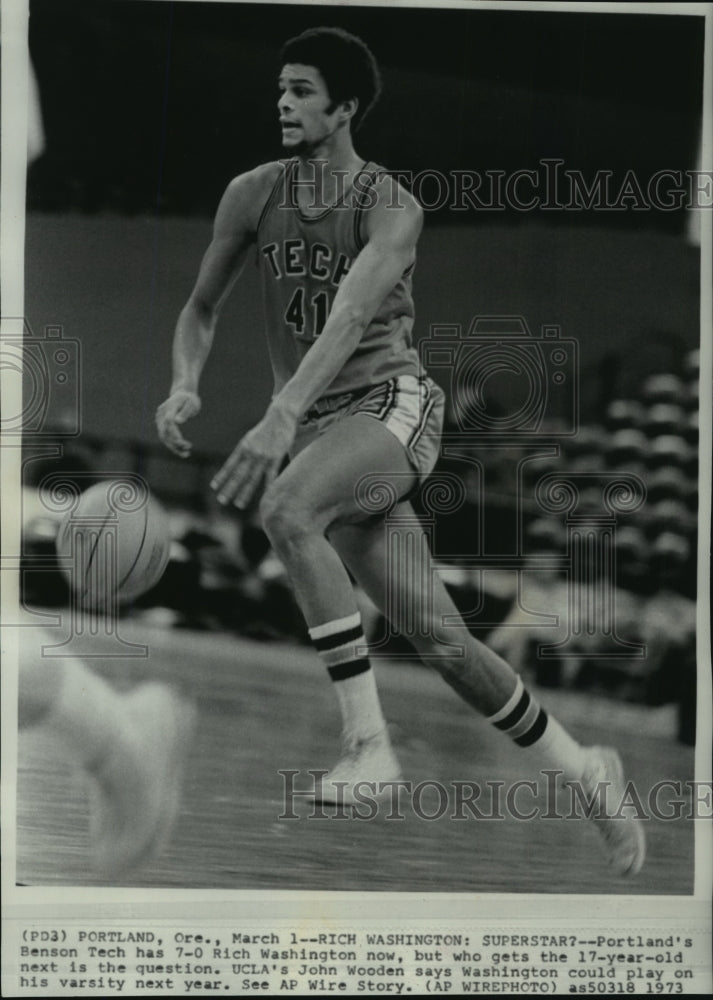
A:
x: 522, y: 718
x: 341, y: 645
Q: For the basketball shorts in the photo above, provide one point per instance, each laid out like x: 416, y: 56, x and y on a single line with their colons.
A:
x: 410, y: 406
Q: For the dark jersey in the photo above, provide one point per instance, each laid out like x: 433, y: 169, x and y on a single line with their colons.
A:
x: 303, y: 259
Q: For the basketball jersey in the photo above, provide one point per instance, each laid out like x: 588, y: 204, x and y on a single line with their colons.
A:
x: 303, y: 259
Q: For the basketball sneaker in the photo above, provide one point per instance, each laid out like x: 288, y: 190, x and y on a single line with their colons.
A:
x: 621, y: 831
x: 368, y: 762
x: 137, y: 782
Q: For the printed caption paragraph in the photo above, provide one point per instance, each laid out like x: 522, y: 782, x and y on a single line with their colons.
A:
x: 80, y: 960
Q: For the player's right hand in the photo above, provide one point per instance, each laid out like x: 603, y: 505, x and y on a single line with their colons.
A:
x: 180, y: 406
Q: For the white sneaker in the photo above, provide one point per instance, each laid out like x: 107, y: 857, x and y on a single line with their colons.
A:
x: 369, y: 763
x: 621, y: 831
x: 138, y: 781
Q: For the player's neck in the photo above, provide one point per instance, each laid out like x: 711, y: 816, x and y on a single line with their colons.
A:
x: 330, y: 167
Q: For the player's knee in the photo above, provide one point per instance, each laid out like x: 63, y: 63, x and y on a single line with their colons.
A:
x: 284, y: 517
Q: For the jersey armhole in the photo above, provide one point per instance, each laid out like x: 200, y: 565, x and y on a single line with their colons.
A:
x: 374, y: 175
x: 281, y: 175
x: 362, y: 199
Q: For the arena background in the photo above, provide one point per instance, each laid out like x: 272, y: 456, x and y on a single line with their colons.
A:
x: 149, y: 109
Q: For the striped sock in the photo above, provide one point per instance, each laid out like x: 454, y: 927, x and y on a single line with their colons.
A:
x: 338, y: 643
x: 529, y: 725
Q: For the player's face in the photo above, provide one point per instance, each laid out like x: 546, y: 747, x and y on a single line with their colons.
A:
x: 303, y: 106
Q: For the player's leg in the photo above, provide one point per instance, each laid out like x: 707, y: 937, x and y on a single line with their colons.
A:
x: 412, y: 594
x: 316, y: 492
x: 131, y: 745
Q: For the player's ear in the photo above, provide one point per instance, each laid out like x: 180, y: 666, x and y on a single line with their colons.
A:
x: 349, y: 108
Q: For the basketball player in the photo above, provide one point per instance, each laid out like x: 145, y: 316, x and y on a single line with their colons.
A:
x: 130, y: 746
x: 335, y: 240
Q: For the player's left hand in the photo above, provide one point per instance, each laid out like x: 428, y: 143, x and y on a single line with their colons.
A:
x: 256, y: 460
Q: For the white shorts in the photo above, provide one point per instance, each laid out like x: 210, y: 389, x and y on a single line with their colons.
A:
x: 410, y: 406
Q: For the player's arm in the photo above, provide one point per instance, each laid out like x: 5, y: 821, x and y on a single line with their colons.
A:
x: 391, y: 236
x: 233, y: 233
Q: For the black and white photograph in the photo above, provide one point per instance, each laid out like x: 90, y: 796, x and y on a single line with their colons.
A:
x: 356, y: 476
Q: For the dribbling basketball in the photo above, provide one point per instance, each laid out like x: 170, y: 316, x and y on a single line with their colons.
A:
x: 115, y: 544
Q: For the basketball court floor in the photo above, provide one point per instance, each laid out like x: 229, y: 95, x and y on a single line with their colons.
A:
x: 263, y: 708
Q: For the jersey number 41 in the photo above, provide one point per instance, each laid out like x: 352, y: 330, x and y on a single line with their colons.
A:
x: 301, y: 311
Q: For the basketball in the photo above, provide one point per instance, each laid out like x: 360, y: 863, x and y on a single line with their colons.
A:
x: 114, y: 544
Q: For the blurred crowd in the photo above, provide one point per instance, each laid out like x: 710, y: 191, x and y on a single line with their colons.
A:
x: 598, y: 602
x: 628, y: 576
